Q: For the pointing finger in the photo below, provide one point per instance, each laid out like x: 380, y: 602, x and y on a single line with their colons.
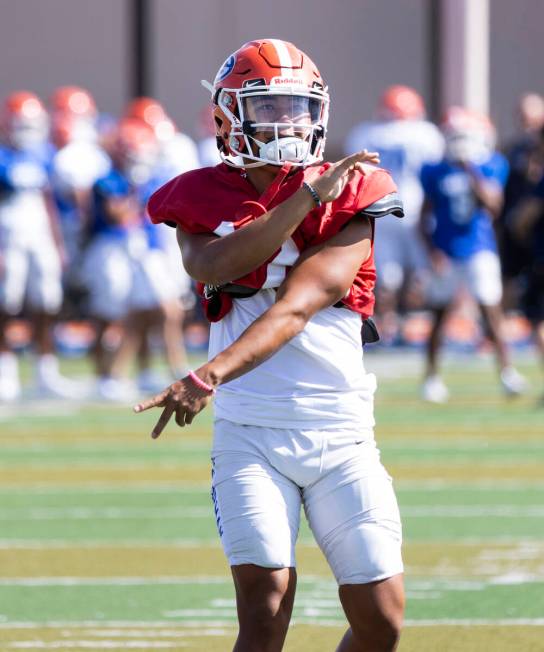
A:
x: 163, y: 420
x: 156, y: 401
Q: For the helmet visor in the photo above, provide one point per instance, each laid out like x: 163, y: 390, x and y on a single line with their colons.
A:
x: 267, y: 110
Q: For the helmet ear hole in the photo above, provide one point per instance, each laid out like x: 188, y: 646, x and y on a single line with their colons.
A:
x: 220, y: 144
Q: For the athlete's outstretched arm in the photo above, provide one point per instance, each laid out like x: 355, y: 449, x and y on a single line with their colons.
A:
x: 321, y: 277
x: 214, y: 260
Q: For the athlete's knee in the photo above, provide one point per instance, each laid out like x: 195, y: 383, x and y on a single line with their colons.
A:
x: 265, y: 600
x: 375, y: 613
x: 380, y: 634
x: 268, y: 614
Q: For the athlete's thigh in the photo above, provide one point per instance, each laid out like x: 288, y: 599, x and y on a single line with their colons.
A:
x: 107, y: 275
x: 152, y: 284
x: 483, y: 277
x: 353, y: 513
x: 13, y: 279
x: 45, y: 277
x: 257, y: 508
x: 442, y: 286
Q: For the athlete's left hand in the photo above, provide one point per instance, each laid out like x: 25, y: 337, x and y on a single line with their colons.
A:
x: 183, y: 398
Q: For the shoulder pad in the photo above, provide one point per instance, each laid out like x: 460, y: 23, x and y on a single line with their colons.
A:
x: 391, y: 204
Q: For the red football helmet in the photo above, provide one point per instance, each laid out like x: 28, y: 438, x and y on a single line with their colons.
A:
x: 146, y: 109
x: 135, y: 149
x: 73, y: 100
x: 152, y: 112
x: 470, y: 135
x: 24, y: 120
x: 401, y: 103
x: 270, y: 96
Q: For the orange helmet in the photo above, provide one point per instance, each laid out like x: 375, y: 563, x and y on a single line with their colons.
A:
x: 401, y: 103
x: 146, y: 109
x: 269, y: 87
x: 135, y: 148
x: 470, y: 135
x: 24, y: 120
x: 73, y: 100
x: 152, y: 113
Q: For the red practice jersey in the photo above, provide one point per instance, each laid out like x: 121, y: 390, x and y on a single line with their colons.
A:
x: 218, y: 200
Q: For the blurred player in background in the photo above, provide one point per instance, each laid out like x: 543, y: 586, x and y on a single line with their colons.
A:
x: 528, y: 230
x: 126, y: 270
x: 463, y: 195
x: 31, y: 248
x: 177, y: 153
x: 285, y: 251
x: 77, y: 164
x: 405, y: 141
x: 526, y: 168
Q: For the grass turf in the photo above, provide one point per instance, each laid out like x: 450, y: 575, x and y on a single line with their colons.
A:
x: 108, y: 539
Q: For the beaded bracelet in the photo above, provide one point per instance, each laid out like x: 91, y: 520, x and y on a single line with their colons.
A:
x: 314, y: 193
x: 200, y: 383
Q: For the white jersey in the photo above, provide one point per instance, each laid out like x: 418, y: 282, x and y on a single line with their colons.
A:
x: 316, y: 380
x: 179, y: 154
x: 78, y: 165
x: 404, y: 147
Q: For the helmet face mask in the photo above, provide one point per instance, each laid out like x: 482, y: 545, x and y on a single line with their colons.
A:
x: 276, y: 111
x: 24, y: 121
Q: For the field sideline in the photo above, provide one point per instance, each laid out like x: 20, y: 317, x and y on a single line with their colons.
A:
x: 108, y: 541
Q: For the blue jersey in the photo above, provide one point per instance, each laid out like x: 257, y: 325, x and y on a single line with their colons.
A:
x: 115, y: 185
x: 22, y: 171
x: 462, y: 227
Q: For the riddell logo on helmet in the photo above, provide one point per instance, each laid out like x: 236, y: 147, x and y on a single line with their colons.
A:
x: 287, y: 81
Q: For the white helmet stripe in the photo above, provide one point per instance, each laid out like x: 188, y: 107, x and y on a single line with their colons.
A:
x: 283, y: 55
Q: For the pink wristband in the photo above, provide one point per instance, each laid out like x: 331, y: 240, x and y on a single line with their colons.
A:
x: 200, y: 383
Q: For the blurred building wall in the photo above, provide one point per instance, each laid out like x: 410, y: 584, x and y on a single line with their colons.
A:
x: 516, y: 57
x: 360, y: 46
x: 49, y: 43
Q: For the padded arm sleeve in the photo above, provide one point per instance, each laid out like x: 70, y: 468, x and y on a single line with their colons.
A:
x: 390, y: 204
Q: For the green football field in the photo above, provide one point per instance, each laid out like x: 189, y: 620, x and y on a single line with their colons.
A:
x: 108, y: 540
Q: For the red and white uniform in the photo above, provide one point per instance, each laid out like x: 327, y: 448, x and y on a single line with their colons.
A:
x: 317, y: 379
x: 298, y: 429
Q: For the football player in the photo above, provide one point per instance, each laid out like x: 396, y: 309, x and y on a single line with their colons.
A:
x: 528, y: 229
x: 125, y: 268
x: 405, y: 141
x: 463, y: 195
x: 77, y: 164
x: 282, y: 244
x: 31, y: 248
x: 178, y: 152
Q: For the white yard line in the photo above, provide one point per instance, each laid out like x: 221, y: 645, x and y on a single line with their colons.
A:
x: 95, y: 645
x: 213, y: 543
x: 113, y: 581
x: 323, y: 582
x: 116, y: 513
x: 214, y: 625
x: 105, y: 488
x: 52, y: 544
x: 61, y: 513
